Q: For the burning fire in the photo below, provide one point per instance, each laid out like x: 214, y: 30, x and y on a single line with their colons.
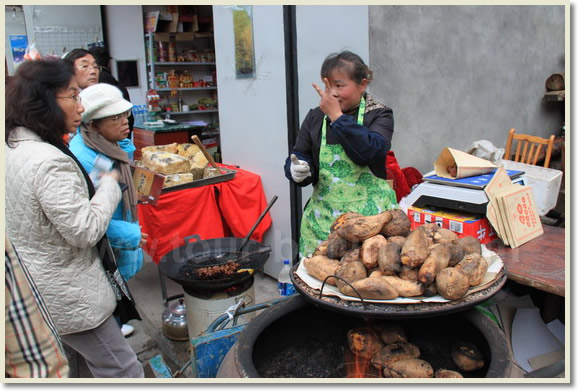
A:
x: 359, y: 367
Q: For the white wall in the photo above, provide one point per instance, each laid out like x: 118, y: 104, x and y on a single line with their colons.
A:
x: 319, y: 33
x: 253, y: 112
x: 124, y: 25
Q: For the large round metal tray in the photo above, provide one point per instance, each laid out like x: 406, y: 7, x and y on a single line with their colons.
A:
x: 387, y: 310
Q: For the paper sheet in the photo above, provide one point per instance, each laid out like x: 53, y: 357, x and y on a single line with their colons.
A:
x: 531, y: 337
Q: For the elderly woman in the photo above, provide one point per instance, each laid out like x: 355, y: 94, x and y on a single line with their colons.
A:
x: 57, y: 220
x: 103, y: 133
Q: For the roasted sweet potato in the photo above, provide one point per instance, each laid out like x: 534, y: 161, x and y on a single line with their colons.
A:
x: 399, y: 225
x: 389, y: 259
x: 349, y: 271
x: 470, y: 245
x: 456, y: 254
x: 375, y: 274
x: 397, y: 239
x: 321, y: 267
x: 438, y: 259
x: 357, y: 229
x: 467, y: 356
x: 447, y: 374
x: 341, y: 220
x: 444, y: 235
x: 403, y: 287
x: 321, y: 249
x: 411, y: 367
x: 370, y: 250
x: 337, y: 246
x: 415, y: 249
x: 353, y: 255
x: 409, y: 273
x: 371, y: 288
x: 364, y: 342
x: 431, y: 228
x: 452, y: 283
x: 430, y: 290
x: 475, y: 267
x: 394, y: 352
x: 391, y: 332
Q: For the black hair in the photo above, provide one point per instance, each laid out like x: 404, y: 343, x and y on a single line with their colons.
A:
x: 346, y: 61
x: 75, y: 54
x: 30, y: 99
x: 101, y: 55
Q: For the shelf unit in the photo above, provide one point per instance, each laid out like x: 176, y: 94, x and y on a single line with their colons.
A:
x: 186, y: 44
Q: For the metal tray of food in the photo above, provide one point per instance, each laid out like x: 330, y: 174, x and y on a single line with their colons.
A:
x: 227, y: 176
x: 389, y: 310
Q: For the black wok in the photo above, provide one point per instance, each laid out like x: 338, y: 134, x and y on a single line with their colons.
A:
x: 183, y: 263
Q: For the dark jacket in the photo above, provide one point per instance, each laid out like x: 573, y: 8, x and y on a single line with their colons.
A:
x: 365, y: 145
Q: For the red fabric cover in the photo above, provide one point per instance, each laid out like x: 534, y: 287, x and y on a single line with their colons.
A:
x: 412, y: 176
x: 403, y: 178
x: 198, y: 211
x: 394, y: 172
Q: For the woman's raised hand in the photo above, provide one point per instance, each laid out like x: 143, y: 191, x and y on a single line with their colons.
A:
x: 329, y: 103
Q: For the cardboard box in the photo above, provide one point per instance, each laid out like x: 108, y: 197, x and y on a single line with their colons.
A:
x: 545, y: 183
x: 462, y: 224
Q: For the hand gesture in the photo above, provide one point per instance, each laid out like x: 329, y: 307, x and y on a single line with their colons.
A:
x: 329, y: 103
x: 299, y: 169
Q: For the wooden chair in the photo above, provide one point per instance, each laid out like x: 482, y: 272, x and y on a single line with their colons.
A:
x: 528, y: 148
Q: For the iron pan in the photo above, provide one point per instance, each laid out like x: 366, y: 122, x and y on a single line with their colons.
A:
x: 386, y: 310
x: 172, y: 262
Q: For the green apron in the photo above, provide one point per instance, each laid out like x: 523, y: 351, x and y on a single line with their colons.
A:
x: 343, y: 186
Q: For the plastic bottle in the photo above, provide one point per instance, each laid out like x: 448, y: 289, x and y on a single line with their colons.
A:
x: 284, y: 283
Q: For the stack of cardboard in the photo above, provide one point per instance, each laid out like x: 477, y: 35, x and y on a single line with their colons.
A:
x: 512, y: 210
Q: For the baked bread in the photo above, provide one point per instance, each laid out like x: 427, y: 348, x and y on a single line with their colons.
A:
x: 177, y: 179
x: 198, y: 165
x: 188, y: 150
x: 211, y: 172
x: 172, y: 148
x: 165, y: 163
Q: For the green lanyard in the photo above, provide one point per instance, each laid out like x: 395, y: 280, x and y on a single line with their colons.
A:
x: 360, y: 115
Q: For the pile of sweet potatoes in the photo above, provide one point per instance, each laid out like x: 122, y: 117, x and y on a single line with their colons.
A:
x: 380, y: 257
x: 388, y: 349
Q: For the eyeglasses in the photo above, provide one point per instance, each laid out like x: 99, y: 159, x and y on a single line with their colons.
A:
x: 119, y: 117
x: 86, y: 67
x: 75, y: 98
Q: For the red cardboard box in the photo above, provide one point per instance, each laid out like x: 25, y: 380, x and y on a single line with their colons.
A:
x: 462, y: 224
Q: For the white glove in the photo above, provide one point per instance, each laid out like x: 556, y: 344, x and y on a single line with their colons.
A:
x: 299, y: 169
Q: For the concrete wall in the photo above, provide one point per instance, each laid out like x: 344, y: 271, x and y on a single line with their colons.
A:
x: 457, y: 74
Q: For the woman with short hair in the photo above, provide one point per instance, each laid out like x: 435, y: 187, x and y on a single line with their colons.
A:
x: 56, y: 219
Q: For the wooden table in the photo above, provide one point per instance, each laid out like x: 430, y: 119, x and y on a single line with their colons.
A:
x: 539, y: 263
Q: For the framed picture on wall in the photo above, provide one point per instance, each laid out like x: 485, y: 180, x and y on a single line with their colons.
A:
x: 127, y: 71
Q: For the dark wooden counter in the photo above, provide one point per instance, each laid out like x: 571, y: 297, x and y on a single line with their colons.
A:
x: 168, y: 134
x: 539, y: 263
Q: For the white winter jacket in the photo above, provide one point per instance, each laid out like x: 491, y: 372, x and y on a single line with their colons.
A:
x: 55, y: 227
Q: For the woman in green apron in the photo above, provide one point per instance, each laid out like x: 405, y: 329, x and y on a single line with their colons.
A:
x: 341, y: 149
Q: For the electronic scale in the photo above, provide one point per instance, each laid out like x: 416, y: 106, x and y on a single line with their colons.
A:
x: 463, y: 194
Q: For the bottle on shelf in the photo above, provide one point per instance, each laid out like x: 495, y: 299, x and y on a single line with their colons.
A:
x: 284, y: 283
